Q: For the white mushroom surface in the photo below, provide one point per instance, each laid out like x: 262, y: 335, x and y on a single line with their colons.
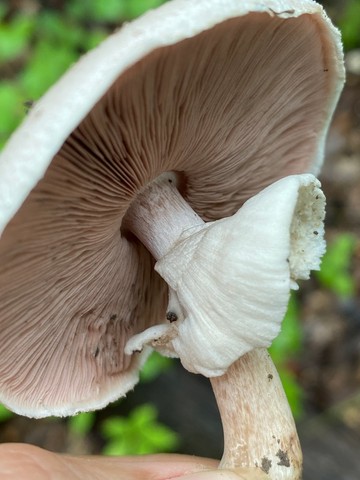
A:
x: 230, y: 281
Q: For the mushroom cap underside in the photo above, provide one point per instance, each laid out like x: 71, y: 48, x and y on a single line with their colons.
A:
x: 232, y: 109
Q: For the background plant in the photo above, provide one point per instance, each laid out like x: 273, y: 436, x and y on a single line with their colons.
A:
x: 349, y: 24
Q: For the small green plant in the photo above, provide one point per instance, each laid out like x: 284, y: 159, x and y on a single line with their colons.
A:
x: 140, y: 433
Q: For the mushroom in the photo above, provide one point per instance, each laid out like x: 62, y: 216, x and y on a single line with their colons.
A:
x: 147, y: 150
x: 229, y: 283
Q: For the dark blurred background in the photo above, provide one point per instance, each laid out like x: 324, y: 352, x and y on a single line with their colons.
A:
x: 318, y: 352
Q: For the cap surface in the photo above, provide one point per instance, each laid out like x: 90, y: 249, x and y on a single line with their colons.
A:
x: 231, y: 100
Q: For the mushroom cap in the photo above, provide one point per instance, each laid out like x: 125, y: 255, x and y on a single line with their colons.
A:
x: 230, y: 95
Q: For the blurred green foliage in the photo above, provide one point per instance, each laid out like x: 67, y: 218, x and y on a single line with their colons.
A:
x: 154, y: 365
x: 81, y: 425
x: 110, y: 10
x: 335, y: 273
x: 349, y: 24
x: 14, y: 37
x: 5, y: 414
x: 138, y: 434
x: 35, y: 51
x: 37, y: 47
x: 284, y: 349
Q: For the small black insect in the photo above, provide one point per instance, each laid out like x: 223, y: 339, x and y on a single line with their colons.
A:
x: 171, y: 316
x: 28, y: 104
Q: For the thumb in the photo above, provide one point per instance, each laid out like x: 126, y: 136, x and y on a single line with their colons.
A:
x: 236, y: 474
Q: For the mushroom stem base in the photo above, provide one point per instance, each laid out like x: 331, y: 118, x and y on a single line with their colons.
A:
x: 259, y: 429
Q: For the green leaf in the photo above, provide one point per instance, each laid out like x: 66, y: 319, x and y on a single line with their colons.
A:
x: 5, y: 414
x: 93, y: 38
x: 289, y: 340
x: 12, y: 109
x: 138, y: 434
x: 135, y: 8
x: 114, y: 427
x: 48, y: 62
x: 82, y: 423
x: 3, y: 10
x: 335, y: 273
x: 283, y: 349
x: 15, y: 37
x: 154, y: 366
x: 97, y: 10
x: 58, y: 29
x: 114, y: 11
x: 293, y: 391
x: 349, y: 25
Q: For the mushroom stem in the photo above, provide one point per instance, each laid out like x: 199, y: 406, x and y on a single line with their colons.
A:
x: 229, y: 284
x: 159, y: 215
x: 259, y: 429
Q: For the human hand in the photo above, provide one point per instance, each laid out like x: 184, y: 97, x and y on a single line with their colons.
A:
x: 20, y: 461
